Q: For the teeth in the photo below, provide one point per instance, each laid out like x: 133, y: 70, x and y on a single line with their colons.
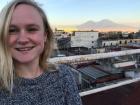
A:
x: 24, y: 49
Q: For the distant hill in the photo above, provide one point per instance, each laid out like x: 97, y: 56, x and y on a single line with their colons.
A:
x: 105, y: 25
x: 88, y: 24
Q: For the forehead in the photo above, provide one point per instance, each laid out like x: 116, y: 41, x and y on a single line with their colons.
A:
x: 26, y: 13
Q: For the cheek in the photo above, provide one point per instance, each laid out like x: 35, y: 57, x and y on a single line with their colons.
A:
x: 11, y: 40
x: 39, y: 40
x: 40, y: 45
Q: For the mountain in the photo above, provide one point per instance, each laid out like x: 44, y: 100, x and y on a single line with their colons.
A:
x: 87, y: 24
x: 105, y: 25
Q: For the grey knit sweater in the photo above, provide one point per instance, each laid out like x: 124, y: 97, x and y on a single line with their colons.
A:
x: 51, y: 88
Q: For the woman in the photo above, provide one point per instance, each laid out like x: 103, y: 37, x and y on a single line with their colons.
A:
x: 26, y: 41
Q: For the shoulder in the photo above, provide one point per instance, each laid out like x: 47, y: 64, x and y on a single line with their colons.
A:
x: 58, y: 72
x: 68, y: 74
x: 63, y: 73
x: 65, y: 70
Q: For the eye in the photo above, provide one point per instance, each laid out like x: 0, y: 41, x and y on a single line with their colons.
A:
x: 32, y: 29
x: 13, y: 31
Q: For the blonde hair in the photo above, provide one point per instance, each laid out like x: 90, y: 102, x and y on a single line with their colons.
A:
x: 6, y: 62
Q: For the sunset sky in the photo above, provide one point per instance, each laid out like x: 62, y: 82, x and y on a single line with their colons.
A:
x: 75, y: 12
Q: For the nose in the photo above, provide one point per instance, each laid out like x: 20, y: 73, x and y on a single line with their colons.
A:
x: 22, y: 37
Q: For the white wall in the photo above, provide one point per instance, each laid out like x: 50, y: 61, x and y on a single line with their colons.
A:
x: 84, y: 39
x: 108, y: 43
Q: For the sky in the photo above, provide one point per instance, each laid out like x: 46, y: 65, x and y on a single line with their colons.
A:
x: 76, y: 12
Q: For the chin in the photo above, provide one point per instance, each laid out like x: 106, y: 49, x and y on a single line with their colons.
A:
x: 23, y: 61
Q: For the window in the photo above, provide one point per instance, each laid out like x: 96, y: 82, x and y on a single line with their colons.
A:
x: 120, y: 42
x: 104, y: 45
x: 125, y: 42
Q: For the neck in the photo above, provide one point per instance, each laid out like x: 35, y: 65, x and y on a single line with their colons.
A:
x: 29, y: 71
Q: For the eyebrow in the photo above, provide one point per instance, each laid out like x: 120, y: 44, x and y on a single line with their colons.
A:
x: 32, y: 25
x: 28, y: 25
x: 12, y: 26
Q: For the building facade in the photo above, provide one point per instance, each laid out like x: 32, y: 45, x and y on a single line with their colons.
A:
x: 84, y: 39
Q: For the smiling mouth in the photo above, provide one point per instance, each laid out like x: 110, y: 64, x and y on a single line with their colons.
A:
x: 25, y: 48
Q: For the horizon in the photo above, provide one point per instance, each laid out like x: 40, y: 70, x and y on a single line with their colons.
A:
x: 104, y: 25
x: 76, y: 12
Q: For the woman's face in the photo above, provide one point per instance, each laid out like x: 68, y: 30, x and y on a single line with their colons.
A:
x: 26, y: 34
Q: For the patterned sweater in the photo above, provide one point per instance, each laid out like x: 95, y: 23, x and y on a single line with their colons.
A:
x: 51, y: 88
